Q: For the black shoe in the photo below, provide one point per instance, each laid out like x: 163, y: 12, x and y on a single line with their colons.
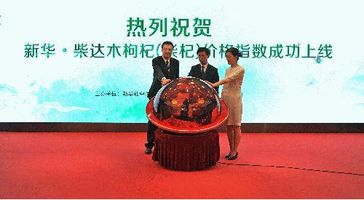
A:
x: 148, y: 150
x: 227, y: 155
x: 233, y: 157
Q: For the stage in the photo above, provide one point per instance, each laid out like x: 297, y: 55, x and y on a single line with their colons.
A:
x: 113, y: 165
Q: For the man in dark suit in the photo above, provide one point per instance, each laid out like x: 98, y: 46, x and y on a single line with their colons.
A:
x: 204, y: 70
x: 165, y: 69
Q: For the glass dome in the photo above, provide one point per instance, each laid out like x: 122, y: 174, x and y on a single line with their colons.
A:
x: 186, y: 105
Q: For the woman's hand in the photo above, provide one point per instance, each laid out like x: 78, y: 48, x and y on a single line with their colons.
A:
x: 212, y: 84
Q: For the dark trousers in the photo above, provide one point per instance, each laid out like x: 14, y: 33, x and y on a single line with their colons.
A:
x: 150, y: 134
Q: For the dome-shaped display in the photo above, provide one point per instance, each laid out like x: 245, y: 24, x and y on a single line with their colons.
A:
x: 187, y: 105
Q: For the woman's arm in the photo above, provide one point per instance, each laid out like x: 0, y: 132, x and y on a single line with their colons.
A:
x: 231, y: 77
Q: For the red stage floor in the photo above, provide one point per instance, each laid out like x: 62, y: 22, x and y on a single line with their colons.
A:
x: 113, y: 165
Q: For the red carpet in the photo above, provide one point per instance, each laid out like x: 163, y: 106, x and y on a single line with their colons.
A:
x: 113, y: 165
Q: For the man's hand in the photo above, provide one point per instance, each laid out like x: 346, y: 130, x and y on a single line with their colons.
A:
x: 165, y: 81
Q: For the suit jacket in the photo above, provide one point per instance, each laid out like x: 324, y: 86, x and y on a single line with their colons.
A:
x: 210, y: 75
x: 160, y: 70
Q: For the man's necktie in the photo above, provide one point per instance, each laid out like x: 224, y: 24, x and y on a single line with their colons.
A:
x: 167, y: 64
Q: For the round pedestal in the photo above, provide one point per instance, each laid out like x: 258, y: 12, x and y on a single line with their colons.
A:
x: 186, y: 151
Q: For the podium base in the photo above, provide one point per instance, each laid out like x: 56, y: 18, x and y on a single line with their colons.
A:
x: 186, y: 152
